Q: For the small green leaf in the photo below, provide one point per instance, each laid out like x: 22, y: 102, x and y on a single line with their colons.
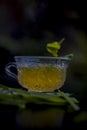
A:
x: 54, y: 47
x: 70, y: 56
x: 68, y: 99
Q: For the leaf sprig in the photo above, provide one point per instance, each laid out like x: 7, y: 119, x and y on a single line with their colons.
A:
x: 17, y: 97
x: 54, y: 47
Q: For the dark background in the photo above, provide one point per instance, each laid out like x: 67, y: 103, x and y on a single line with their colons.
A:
x: 27, y: 25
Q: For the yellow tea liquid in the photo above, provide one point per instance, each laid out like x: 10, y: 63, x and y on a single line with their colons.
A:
x: 41, y: 79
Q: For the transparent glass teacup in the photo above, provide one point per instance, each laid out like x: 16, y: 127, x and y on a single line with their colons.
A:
x: 39, y: 73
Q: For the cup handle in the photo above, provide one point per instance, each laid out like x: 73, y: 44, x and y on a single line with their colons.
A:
x: 8, y: 70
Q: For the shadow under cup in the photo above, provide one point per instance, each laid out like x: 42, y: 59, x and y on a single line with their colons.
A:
x: 39, y: 74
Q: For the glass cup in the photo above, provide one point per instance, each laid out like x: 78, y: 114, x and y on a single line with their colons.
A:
x: 39, y: 74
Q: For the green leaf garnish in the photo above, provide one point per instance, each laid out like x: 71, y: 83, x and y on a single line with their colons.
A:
x: 54, y: 47
x: 68, y: 99
x: 70, y: 56
x: 18, y: 97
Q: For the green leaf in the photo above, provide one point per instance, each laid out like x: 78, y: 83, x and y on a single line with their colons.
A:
x: 20, y: 98
x: 70, y: 56
x: 54, y: 47
x: 68, y: 99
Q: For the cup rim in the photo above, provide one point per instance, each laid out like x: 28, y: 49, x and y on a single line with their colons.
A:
x: 43, y: 57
